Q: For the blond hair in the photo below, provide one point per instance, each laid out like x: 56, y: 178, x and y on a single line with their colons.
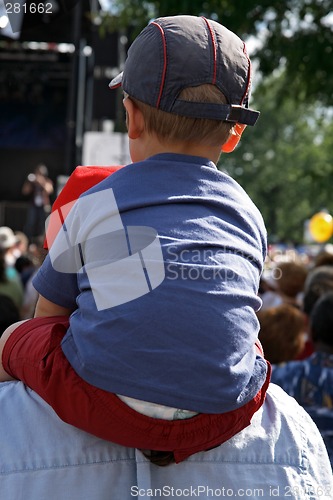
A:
x: 175, y: 128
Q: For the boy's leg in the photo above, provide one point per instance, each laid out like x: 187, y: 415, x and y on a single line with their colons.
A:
x: 33, y: 354
x: 24, y: 346
x: 4, y: 376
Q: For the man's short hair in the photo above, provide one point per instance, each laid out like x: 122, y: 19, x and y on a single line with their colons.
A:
x: 318, y: 282
x: 321, y: 320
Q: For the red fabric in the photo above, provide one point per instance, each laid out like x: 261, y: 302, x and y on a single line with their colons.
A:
x: 33, y: 354
x: 82, y: 179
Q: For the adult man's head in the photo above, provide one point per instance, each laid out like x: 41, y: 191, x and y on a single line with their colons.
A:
x: 321, y: 322
x: 318, y: 282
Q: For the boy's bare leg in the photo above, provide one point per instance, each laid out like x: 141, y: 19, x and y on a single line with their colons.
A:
x: 3, y: 374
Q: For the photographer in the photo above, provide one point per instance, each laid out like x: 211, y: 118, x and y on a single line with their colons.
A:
x: 39, y: 187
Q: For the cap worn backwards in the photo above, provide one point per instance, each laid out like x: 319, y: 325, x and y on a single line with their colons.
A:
x: 173, y: 53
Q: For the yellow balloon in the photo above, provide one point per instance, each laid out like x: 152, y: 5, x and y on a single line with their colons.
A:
x: 321, y: 227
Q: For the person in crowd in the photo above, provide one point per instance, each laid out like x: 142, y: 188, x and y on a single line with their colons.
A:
x: 22, y: 244
x: 39, y: 188
x: 282, y: 333
x: 10, y: 283
x: 185, y: 218
x: 25, y: 266
x: 324, y: 257
x: 287, y: 284
x: 318, y: 282
x: 310, y: 381
x: 9, y: 312
x: 8, y: 245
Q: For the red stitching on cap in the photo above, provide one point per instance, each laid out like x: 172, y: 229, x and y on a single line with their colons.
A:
x: 249, y: 74
x: 164, y: 66
x: 214, y: 48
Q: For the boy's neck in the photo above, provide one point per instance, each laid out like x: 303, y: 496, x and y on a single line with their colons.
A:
x: 155, y: 147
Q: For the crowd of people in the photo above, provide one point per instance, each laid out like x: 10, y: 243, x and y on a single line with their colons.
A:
x: 21, y: 252
x: 296, y: 331
x: 19, y: 260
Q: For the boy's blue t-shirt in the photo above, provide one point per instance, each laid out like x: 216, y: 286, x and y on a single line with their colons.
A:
x: 185, y: 338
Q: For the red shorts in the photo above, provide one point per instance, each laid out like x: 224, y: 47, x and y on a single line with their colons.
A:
x: 34, y: 355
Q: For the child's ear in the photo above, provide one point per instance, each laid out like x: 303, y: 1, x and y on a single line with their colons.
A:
x: 234, y: 138
x: 134, y: 119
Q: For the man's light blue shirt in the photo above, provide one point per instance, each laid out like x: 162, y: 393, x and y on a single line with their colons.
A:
x: 281, y: 455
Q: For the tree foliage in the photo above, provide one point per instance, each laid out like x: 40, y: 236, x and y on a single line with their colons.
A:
x: 295, y: 34
x: 285, y: 162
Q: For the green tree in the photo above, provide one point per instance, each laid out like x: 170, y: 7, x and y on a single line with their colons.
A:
x: 285, y: 161
x: 294, y: 34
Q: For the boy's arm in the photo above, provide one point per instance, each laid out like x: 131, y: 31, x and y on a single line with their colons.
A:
x: 45, y: 307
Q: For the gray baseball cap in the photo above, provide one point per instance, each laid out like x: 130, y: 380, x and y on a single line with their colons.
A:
x: 173, y: 53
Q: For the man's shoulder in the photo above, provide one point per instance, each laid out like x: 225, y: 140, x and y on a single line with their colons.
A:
x: 46, y: 457
x: 56, y: 443
x: 280, y: 432
x: 279, y: 413
x: 281, y: 453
